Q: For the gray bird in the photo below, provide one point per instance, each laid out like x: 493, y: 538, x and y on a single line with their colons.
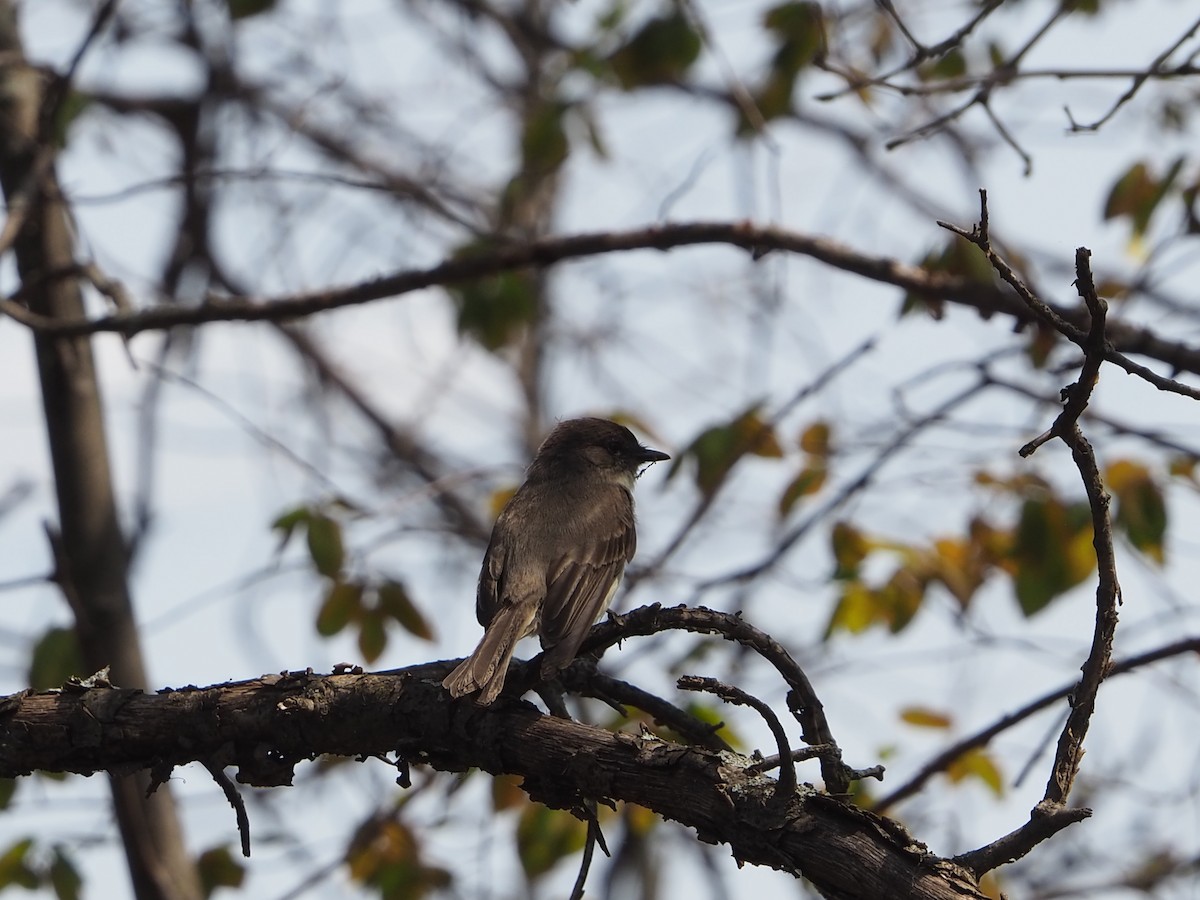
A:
x: 557, y: 553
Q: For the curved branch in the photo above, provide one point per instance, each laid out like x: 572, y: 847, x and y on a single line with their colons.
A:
x: 802, y: 699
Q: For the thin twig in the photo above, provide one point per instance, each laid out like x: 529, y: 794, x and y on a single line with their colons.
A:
x: 984, y: 736
x: 1051, y: 814
x: 586, y: 680
x: 235, y: 800
x: 802, y: 699
x: 1055, y: 318
x: 1138, y: 81
x: 705, y: 502
x: 786, y: 785
x: 834, y: 502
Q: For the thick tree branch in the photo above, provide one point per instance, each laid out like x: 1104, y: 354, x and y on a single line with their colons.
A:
x: 267, y: 725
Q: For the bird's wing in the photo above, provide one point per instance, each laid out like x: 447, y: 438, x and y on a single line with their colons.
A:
x: 582, y: 583
x: 487, y: 594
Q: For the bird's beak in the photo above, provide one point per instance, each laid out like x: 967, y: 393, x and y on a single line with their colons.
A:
x: 647, y: 455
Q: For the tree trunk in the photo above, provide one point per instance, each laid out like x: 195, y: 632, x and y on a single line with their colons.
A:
x: 90, y: 550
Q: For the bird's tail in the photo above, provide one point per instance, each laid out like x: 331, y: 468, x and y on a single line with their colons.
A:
x: 486, y: 667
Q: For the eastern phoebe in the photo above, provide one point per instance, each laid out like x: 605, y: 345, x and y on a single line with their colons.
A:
x: 557, y: 552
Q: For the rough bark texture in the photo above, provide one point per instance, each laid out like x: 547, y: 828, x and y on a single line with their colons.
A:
x: 265, y: 726
x: 91, y: 557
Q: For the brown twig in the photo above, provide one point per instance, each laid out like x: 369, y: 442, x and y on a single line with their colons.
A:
x: 802, y: 699
x: 1140, y: 79
x: 586, y: 680
x: 981, y: 738
x: 735, y: 695
x: 235, y: 800
x: 1051, y: 814
x: 1058, y: 319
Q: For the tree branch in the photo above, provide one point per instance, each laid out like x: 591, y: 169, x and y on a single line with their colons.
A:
x: 265, y: 726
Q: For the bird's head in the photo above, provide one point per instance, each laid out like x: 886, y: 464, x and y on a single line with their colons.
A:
x: 601, y: 444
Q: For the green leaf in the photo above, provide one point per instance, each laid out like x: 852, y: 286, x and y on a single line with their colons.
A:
x: 395, y: 602
x: 808, y: 481
x: 1141, y: 507
x: 372, y: 635
x: 287, y: 522
x: 796, y: 21
x: 1042, y: 341
x: 661, y: 52
x: 494, y: 310
x: 900, y: 599
x: 1051, y: 551
x: 325, y: 545
x: 386, y: 855
x: 56, y: 657
x: 244, y: 9
x: 342, y: 605
x: 716, y: 450
x: 545, y: 836
x: 799, y: 33
x: 219, y: 868
x: 799, y: 28
x: 950, y: 65
x: 1137, y: 194
x: 15, y: 868
x: 64, y: 877
x: 72, y: 107
x: 850, y: 547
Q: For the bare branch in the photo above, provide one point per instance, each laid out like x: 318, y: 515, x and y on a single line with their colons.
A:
x: 984, y: 736
x: 1051, y: 814
x: 1054, y: 317
x: 731, y: 694
x: 1140, y: 79
x: 802, y: 699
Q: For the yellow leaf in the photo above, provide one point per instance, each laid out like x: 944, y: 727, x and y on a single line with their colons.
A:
x: 1123, y: 474
x: 850, y: 548
x: 924, y: 717
x: 977, y: 763
x: 814, y: 440
x: 856, y: 611
x: 1183, y: 467
x: 808, y: 481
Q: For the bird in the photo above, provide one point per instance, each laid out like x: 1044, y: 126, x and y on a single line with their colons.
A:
x: 557, y: 552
